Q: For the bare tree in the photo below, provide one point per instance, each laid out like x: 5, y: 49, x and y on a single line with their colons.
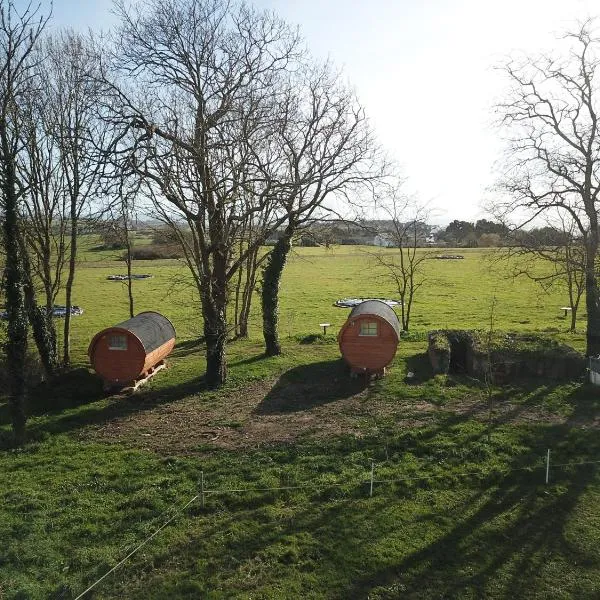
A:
x: 209, y: 72
x: 72, y: 93
x: 247, y: 276
x: 43, y: 213
x: 19, y: 34
x: 327, y: 153
x: 553, y: 157
x: 551, y: 256
x: 404, y: 231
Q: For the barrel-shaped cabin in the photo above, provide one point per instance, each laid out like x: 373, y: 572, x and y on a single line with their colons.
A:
x: 132, y: 350
x: 369, y: 338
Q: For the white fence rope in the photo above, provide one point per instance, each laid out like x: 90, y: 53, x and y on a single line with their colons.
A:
x: 206, y: 492
x: 140, y: 545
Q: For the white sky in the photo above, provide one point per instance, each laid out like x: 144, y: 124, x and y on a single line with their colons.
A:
x: 424, y: 71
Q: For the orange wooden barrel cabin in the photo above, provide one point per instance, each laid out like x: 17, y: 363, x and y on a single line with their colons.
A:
x: 133, y: 350
x: 369, y: 338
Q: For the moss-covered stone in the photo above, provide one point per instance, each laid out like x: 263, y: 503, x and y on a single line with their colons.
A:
x: 507, y: 355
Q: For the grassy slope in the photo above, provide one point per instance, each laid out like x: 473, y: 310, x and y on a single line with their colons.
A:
x: 75, y: 501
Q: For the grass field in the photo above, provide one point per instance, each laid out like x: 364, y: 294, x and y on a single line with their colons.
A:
x: 464, y: 511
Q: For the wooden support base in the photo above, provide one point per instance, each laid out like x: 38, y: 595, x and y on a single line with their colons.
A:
x: 366, y: 373
x: 132, y: 386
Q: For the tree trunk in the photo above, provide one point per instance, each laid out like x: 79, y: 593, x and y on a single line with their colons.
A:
x: 592, y: 295
x: 16, y: 343
x: 238, y: 293
x: 69, y: 290
x: 214, y: 307
x: 270, y: 291
x: 216, y: 363
x: 44, y: 332
x: 129, y: 280
x: 215, y: 334
x: 249, y: 286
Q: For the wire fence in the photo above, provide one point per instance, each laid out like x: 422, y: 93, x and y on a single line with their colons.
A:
x: 371, y: 482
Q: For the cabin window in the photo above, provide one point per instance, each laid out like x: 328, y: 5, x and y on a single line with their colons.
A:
x: 117, y: 342
x: 368, y: 328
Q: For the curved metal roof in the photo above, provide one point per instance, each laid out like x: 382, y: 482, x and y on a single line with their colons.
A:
x: 379, y: 309
x: 151, y: 328
x: 352, y: 302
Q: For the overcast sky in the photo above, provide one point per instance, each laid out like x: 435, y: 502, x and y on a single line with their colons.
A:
x: 423, y: 69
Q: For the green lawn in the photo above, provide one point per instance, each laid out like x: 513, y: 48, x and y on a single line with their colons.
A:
x: 468, y: 514
x: 455, y: 294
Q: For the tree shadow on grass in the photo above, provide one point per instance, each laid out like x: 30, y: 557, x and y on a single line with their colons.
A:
x: 69, y: 390
x: 100, y: 409
x: 519, y: 527
x: 188, y: 347
x: 307, y: 386
x: 248, y: 361
x: 66, y: 391
x: 501, y: 537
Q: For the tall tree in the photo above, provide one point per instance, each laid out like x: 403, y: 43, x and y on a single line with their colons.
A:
x: 44, y: 222
x: 327, y: 153
x: 553, y: 155
x: 209, y: 72
x: 19, y: 34
x: 73, y: 97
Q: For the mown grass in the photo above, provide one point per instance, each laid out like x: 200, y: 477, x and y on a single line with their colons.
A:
x: 470, y: 518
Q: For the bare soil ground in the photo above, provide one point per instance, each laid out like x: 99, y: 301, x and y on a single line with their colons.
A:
x: 261, y: 413
x: 283, y: 410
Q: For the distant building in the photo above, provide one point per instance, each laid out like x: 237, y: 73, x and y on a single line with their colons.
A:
x: 383, y: 240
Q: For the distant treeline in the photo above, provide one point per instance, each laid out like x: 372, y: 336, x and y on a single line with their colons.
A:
x: 457, y: 234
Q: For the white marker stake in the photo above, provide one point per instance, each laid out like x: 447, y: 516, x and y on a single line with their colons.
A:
x: 202, y: 489
x: 547, y: 466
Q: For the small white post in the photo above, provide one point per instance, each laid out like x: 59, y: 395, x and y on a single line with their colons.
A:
x: 372, y: 476
x: 202, y: 489
x: 547, y: 466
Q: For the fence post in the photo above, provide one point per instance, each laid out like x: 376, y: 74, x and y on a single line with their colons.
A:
x: 202, y: 489
x: 548, y: 466
x: 372, y: 475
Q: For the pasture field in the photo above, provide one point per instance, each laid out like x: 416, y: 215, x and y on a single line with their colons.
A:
x: 455, y: 293
x: 459, y: 508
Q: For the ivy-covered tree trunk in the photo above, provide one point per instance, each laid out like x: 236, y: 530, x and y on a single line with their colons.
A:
x: 215, y: 334
x: 69, y: 287
x: 270, y: 291
x: 214, y: 308
x: 16, y: 344
x: 44, y: 332
x: 42, y: 324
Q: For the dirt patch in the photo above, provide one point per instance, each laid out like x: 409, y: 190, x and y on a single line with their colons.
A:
x: 259, y: 414
x: 311, y: 401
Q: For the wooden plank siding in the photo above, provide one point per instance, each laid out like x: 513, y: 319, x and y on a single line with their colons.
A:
x: 150, y: 337
x: 117, y: 366
x: 370, y: 353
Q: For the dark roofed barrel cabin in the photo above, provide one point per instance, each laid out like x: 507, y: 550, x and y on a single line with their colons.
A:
x: 369, y: 338
x: 133, y: 350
